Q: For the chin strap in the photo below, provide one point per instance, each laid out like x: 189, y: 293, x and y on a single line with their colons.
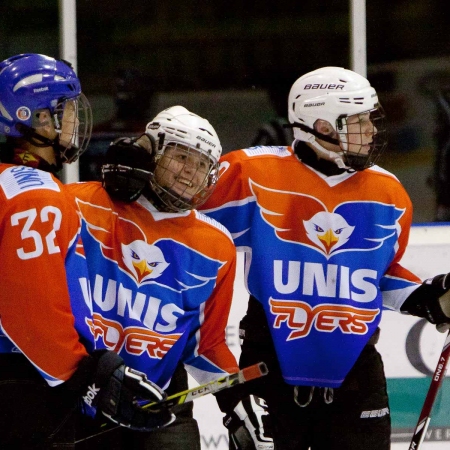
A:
x: 323, y: 152
x: 27, y: 158
x: 329, y: 155
x: 34, y: 138
x: 309, y: 135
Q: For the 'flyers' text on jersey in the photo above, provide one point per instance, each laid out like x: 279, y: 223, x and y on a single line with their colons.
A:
x: 160, y: 285
x: 322, y: 254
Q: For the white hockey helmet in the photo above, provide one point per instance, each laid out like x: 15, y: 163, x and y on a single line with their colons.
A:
x: 333, y: 94
x: 177, y: 124
x: 178, y: 127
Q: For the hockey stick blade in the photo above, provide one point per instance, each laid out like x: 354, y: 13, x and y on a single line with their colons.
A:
x: 246, y: 374
x: 425, y: 415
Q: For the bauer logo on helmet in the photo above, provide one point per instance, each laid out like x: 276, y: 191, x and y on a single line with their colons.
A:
x: 325, y: 86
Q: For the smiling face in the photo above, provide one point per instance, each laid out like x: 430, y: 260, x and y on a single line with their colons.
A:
x: 182, y: 170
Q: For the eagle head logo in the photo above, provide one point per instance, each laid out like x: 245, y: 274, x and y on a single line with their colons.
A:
x: 144, y: 261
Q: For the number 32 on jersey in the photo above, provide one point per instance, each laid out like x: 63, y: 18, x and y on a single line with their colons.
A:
x: 35, y: 243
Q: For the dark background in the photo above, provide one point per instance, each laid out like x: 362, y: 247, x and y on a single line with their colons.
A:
x: 228, y: 60
x: 223, y: 44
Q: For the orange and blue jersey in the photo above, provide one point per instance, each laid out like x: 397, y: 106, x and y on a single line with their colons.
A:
x: 321, y: 254
x: 161, y: 285
x: 39, y: 233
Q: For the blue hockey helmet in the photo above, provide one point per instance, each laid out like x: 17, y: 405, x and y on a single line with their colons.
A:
x: 31, y: 83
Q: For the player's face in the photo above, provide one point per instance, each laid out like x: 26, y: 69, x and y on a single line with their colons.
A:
x: 360, y: 132
x: 65, y: 124
x: 44, y: 126
x: 182, y: 170
x: 69, y: 124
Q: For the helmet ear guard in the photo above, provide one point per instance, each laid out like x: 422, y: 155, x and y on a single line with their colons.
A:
x: 312, y: 132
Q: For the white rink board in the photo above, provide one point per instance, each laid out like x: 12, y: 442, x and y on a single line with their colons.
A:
x: 428, y: 254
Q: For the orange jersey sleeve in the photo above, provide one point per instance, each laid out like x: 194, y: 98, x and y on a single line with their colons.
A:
x: 212, y: 343
x: 39, y: 226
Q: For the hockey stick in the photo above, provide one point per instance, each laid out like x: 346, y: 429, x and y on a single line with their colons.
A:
x: 246, y: 374
x: 425, y: 415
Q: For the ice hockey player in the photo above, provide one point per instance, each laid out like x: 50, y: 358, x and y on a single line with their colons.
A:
x: 47, y: 359
x: 323, y: 229
x: 161, y: 272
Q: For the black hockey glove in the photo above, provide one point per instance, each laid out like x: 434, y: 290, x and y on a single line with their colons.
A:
x: 113, y: 389
x: 431, y: 301
x: 248, y: 425
x: 128, y: 166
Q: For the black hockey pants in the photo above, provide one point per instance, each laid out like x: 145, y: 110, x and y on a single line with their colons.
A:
x: 32, y: 414
x: 352, y: 417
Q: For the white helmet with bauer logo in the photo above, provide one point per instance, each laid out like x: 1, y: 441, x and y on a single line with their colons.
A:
x: 186, y: 132
x: 333, y: 94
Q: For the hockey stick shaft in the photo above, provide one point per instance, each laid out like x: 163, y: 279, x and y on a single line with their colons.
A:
x: 436, y: 382
x: 246, y: 374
